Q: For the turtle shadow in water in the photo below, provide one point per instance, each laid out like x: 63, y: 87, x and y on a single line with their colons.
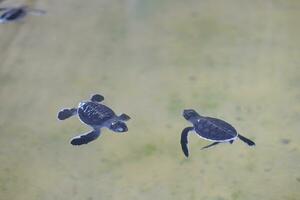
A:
x: 285, y: 141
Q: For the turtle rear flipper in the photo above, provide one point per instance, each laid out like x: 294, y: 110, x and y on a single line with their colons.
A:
x: 212, y: 144
x: 124, y: 117
x: 36, y: 12
x: 66, y: 113
x: 85, y: 138
x: 246, y: 140
x: 97, y: 98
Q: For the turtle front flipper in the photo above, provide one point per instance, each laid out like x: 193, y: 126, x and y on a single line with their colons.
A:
x: 246, y: 140
x: 97, y: 98
x: 212, y: 144
x: 85, y: 138
x: 66, y: 113
x: 184, y: 140
x: 124, y: 117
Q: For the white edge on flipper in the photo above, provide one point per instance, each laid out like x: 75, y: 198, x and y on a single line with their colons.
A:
x: 187, y: 146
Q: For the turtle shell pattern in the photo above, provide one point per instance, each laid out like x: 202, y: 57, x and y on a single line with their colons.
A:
x: 93, y: 113
x: 214, y: 129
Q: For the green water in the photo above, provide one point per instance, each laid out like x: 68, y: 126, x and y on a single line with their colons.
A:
x: 235, y: 60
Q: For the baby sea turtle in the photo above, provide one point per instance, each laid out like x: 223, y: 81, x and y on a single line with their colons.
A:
x: 211, y: 129
x: 10, y: 14
x: 95, y: 115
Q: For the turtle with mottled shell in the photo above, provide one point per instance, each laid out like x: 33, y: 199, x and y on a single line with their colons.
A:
x: 97, y: 116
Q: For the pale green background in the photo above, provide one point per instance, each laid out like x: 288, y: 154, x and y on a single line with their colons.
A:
x: 238, y: 60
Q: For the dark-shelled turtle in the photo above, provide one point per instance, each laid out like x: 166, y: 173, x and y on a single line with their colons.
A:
x: 10, y: 14
x: 97, y: 116
x: 211, y: 129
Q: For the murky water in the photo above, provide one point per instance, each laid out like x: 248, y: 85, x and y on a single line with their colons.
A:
x: 236, y: 60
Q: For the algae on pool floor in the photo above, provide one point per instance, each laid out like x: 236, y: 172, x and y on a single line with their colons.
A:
x: 233, y: 60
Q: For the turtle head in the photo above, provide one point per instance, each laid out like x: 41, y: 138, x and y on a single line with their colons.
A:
x: 118, y: 127
x: 190, y: 115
